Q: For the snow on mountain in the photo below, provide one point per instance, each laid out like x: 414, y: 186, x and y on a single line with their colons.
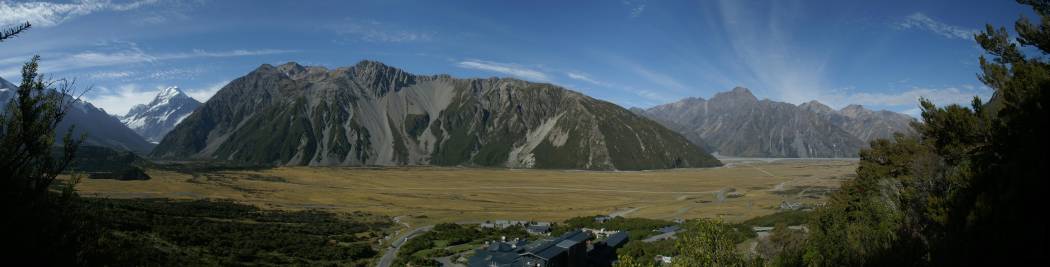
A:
x: 153, y: 120
x: 98, y: 127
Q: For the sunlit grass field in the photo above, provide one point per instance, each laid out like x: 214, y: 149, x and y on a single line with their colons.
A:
x: 425, y: 195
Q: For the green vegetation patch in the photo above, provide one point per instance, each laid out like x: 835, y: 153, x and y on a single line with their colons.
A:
x: 106, y: 163
x: 157, y: 232
x: 449, y: 238
x: 400, y: 150
x: 274, y: 136
x: 566, y: 156
x: 416, y: 124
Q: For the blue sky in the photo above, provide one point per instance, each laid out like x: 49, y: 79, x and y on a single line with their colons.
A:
x: 882, y: 54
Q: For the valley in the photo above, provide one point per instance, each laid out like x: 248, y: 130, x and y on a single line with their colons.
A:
x: 742, y: 189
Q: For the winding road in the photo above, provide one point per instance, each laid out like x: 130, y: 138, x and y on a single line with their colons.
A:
x: 391, y: 253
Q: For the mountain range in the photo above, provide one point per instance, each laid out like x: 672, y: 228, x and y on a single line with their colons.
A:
x: 736, y: 123
x: 154, y: 119
x: 100, y: 128
x: 374, y: 114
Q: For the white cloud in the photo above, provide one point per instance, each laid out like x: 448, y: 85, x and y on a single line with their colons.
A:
x: 908, y: 100
x: 118, y: 101
x: 585, y: 78
x: 920, y: 21
x: 174, y: 73
x: 110, y: 75
x: 123, y: 57
x: 765, y: 52
x: 654, y: 96
x: 375, y: 31
x: 205, y: 93
x: 504, y: 68
x: 914, y: 112
x: 197, y: 53
x: 47, y: 14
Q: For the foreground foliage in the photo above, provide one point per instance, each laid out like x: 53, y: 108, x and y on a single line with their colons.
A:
x: 38, y: 224
x: 964, y: 190
x: 703, y: 242
x: 157, y: 232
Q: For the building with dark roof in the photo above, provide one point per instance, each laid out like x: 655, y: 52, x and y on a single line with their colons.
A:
x: 569, y: 250
x: 603, y: 253
x: 538, y: 229
x: 617, y: 240
x: 499, y: 254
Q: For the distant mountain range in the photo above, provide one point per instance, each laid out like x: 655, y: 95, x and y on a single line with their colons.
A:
x: 373, y: 114
x: 154, y: 119
x: 101, y: 128
x: 736, y: 123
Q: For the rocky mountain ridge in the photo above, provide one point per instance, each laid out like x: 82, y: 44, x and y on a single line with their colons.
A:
x: 373, y: 114
x: 736, y: 123
x: 154, y: 119
x: 100, y: 128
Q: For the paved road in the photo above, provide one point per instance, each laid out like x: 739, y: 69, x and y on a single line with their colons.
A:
x: 659, y: 237
x: 391, y: 253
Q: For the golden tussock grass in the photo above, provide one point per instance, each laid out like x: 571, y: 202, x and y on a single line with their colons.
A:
x: 424, y: 195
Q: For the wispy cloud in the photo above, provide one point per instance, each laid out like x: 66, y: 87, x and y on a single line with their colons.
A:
x: 174, y: 73
x: 141, y: 75
x: 767, y: 55
x: 636, y: 7
x: 648, y: 96
x: 939, y: 96
x: 907, y: 100
x: 585, y: 78
x: 127, y: 56
x: 655, y: 97
x: 118, y: 101
x: 505, y: 68
x: 660, y: 79
x: 375, y: 31
x: 920, y: 21
x: 204, y: 93
x: 47, y: 14
x: 109, y: 75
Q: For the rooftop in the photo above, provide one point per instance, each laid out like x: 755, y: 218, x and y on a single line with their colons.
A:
x: 617, y: 239
x: 557, y: 246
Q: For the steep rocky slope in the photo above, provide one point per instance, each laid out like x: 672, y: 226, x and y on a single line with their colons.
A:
x: 736, y: 123
x: 154, y: 119
x: 101, y: 128
x: 373, y: 114
x: 863, y: 123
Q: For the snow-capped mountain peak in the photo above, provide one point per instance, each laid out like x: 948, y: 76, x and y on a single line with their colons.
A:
x: 169, y: 93
x: 155, y: 119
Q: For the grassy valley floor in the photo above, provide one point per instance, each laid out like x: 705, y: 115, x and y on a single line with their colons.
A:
x: 428, y: 195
